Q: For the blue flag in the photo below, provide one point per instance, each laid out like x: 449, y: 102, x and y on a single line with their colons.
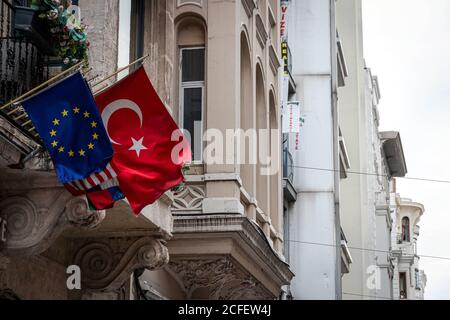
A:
x: 68, y: 122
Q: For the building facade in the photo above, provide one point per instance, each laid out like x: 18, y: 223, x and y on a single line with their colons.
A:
x: 48, y: 234
x: 215, y: 65
x: 318, y: 252
x: 376, y: 157
x: 228, y: 222
x: 408, y: 280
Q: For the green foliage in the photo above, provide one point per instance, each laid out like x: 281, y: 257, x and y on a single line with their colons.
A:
x: 68, y: 35
x: 182, y: 185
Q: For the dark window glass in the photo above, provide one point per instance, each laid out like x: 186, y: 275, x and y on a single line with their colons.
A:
x: 403, y: 286
x: 405, y: 230
x: 193, y: 114
x: 193, y: 65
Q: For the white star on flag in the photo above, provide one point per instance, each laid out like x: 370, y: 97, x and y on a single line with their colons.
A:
x: 138, y: 146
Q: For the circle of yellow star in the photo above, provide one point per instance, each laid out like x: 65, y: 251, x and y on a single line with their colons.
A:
x: 56, y: 122
x: 65, y: 113
x: 76, y: 110
x: 71, y: 153
x: 86, y: 114
x: 55, y: 144
x: 61, y: 149
x: 82, y: 153
x: 53, y: 133
x: 95, y: 136
x: 91, y: 146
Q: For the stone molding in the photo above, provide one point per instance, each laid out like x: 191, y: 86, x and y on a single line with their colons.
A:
x: 190, y: 199
x: 243, y: 229
x: 249, y: 6
x: 224, y: 278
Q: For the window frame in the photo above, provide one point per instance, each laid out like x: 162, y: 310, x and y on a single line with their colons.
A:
x: 403, y: 281
x: 406, y: 230
x: 192, y: 85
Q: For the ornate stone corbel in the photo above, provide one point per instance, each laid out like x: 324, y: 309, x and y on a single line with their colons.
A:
x: 107, y: 263
x: 78, y: 215
x: 32, y: 229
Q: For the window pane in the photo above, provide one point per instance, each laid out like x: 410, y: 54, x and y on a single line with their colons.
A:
x: 192, y: 119
x: 193, y: 65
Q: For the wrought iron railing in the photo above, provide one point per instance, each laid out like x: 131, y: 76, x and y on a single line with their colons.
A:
x: 22, y: 67
x: 288, y: 165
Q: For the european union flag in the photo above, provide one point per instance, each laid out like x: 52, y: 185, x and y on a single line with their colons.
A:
x: 67, y: 120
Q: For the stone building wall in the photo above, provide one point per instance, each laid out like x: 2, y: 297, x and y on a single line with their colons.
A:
x: 102, y: 20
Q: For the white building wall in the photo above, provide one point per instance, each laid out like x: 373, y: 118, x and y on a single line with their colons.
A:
x: 313, y: 224
x: 352, y: 118
x: 405, y: 253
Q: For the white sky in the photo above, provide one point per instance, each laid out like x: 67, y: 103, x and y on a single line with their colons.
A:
x: 407, y: 45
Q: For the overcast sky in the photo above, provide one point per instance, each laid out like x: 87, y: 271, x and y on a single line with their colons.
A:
x: 407, y: 45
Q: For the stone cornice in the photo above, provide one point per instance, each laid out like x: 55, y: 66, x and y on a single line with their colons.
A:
x: 242, y: 229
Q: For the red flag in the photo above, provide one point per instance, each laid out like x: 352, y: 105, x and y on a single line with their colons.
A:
x: 147, y: 162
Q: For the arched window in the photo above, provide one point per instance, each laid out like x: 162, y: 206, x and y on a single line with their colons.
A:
x: 262, y: 183
x: 247, y: 115
x: 191, y: 46
x: 405, y: 230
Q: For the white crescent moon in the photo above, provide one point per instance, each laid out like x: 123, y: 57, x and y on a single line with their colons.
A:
x: 118, y: 105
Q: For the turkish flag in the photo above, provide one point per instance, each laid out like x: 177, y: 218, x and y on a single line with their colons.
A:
x: 149, y: 148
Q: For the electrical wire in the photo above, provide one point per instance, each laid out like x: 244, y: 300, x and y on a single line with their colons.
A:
x: 372, y: 174
x: 366, y: 296
x: 365, y: 249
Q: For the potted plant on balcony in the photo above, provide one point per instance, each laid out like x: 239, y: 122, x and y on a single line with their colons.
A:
x: 62, y: 27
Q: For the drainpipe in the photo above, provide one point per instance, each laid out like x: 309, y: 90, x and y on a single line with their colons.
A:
x: 337, y: 178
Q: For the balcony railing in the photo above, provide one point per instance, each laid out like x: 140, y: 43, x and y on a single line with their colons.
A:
x: 22, y: 67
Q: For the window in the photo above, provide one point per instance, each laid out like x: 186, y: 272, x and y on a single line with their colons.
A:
x: 417, y: 276
x: 405, y: 230
x: 192, y: 96
x: 403, y: 286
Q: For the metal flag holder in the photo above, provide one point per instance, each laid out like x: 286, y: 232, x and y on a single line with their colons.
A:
x: 16, y: 116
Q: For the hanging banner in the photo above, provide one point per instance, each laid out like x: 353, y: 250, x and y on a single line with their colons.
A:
x: 291, y: 118
x: 283, y: 23
x: 284, y: 70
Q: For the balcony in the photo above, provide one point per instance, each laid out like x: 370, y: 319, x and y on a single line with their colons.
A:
x: 290, y: 194
x: 23, y: 66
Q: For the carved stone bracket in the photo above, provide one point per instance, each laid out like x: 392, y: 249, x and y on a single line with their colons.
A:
x: 107, y: 263
x: 31, y: 229
x: 78, y: 215
x: 224, y: 279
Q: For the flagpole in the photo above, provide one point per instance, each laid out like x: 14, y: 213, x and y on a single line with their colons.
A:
x: 39, y: 87
x: 120, y: 70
